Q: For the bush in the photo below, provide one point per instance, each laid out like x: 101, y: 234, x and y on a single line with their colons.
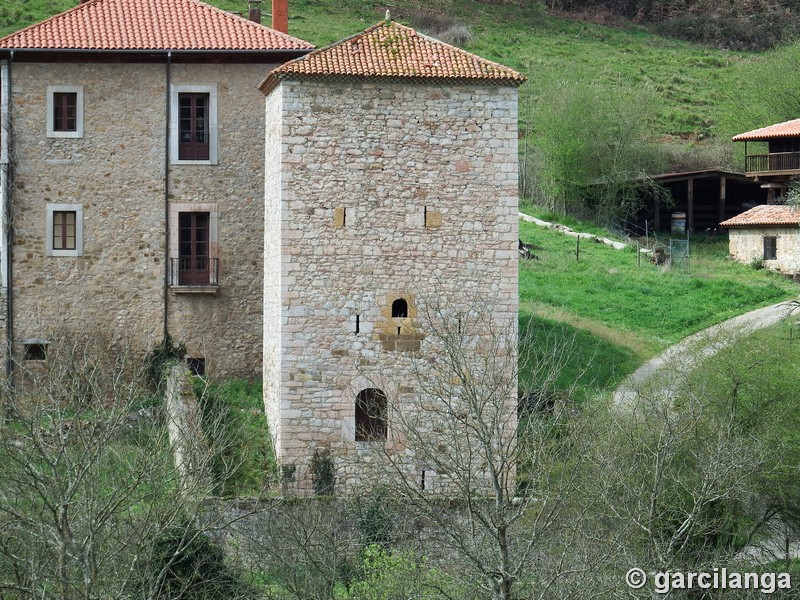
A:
x: 389, y: 575
x: 757, y: 263
x: 375, y: 520
x: 186, y: 564
x: 444, y: 28
x: 159, y: 360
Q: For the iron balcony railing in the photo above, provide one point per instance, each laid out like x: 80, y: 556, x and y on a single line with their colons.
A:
x: 195, y: 271
x: 776, y: 161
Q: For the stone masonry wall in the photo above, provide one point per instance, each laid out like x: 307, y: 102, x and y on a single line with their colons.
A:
x: 747, y: 244
x: 116, y: 172
x: 389, y: 190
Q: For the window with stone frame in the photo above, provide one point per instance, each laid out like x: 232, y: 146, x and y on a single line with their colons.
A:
x: 770, y: 247
x: 64, y: 234
x: 371, y: 416
x: 193, y: 124
x: 194, y: 247
x: 65, y: 111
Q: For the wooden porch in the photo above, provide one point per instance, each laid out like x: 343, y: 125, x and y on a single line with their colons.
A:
x: 774, y: 163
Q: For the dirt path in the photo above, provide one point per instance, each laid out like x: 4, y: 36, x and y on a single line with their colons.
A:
x: 662, y: 372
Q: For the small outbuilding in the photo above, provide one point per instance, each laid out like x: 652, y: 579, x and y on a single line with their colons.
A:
x: 769, y: 232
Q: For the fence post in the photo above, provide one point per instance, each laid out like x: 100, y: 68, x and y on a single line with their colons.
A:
x: 578, y: 249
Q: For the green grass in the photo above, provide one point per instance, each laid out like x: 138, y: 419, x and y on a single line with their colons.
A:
x: 234, y: 421
x: 623, y: 312
x: 589, y: 362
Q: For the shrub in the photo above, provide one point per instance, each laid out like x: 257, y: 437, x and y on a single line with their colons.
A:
x: 186, y: 564
x: 375, y: 519
x: 158, y: 361
x: 444, y: 28
x: 388, y: 575
x: 757, y: 263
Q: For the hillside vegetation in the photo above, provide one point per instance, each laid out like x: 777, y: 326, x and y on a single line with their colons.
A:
x: 698, y: 86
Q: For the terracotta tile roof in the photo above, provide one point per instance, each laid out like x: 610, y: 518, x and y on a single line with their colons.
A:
x: 766, y: 215
x: 149, y: 25
x: 785, y: 129
x: 391, y: 50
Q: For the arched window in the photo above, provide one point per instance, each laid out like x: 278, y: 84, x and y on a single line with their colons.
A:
x: 371, y: 408
x: 400, y: 308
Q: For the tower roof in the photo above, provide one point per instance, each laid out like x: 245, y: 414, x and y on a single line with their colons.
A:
x: 154, y: 25
x: 393, y: 51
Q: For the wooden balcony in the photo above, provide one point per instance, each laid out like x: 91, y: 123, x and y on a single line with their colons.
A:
x: 776, y: 163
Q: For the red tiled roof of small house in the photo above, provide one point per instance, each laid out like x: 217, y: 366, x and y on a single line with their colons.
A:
x: 779, y: 130
x: 390, y: 50
x: 149, y: 25
x: 766, y: 215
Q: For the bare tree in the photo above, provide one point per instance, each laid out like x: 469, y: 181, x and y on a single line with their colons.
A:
x: 492, y: 489
x: 91, y: 502
x: 678, y: 478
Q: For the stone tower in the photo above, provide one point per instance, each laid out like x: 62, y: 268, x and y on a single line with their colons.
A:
x: 392, y: 174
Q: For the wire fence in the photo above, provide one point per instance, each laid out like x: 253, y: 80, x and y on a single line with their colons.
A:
x: 663, y: 250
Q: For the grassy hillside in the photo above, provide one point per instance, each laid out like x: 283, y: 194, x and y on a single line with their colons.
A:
x: 697, y: 86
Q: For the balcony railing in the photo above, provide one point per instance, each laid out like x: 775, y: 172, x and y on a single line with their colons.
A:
x: 777, y: 161
x: 198, y: 271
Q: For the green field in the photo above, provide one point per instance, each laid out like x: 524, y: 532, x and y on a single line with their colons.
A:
x: 620, y: 309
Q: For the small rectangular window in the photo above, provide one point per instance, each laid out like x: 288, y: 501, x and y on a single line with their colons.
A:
x: 65, y: 111
x: 64, y: 229
x: 770, y: 247
x: 196, y: 365
x: 64, y: 234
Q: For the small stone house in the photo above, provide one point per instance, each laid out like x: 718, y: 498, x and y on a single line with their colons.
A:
x: 769, y: 232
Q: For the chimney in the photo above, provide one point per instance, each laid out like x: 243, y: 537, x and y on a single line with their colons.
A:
x: 280, y: 15
x: 255, y: 11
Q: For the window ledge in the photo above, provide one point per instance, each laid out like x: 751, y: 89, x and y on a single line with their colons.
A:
x: 193, y: 162
x: 194, y: 289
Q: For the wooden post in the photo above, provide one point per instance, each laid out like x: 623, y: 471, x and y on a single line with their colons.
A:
x: 578, y: 249
x: 722, y: 185
x: 690, y: 205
